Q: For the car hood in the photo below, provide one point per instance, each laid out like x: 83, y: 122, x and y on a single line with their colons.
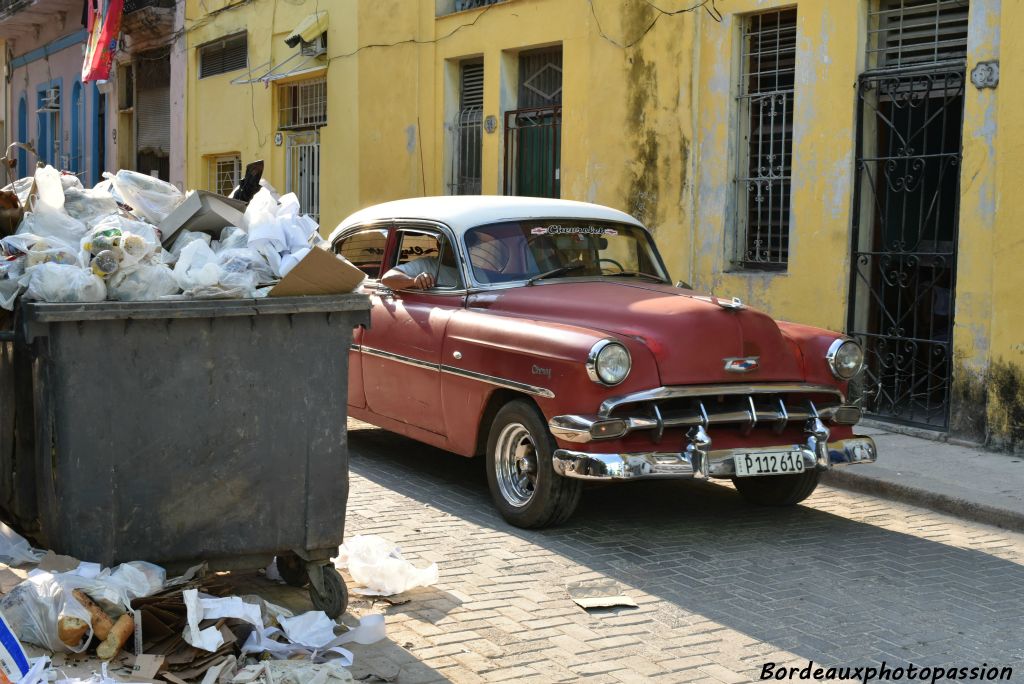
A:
x: 690, y: 336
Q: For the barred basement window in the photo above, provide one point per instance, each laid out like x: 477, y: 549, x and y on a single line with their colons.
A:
x: 224, y: 55
x: 225, y: 173
x: 468, y: 130
x: 303, y: 104
x: 908, y: 32
x: 766, y: 140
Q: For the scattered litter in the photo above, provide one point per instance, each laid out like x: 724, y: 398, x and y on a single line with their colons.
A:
x: 379, y: 567
x: 370, y: 630
x: 14, y: 663
x: 292, y: 672
x: 602, y: 593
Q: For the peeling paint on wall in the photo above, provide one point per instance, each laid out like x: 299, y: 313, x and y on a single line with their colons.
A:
x: 988, y: 404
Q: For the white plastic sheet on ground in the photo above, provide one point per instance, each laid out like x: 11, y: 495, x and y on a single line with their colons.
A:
x: 371, y: 629
x: 378, y: 565
x: 15, y: 549
x: 201, y: 608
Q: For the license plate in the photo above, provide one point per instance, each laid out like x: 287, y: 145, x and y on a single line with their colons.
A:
x: 770, y: 463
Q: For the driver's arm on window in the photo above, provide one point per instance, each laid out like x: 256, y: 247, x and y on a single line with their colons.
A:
x: 413, y: 275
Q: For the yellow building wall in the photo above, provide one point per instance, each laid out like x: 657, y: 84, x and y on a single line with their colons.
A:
x: 1003, y: 273
x: 227, y: 118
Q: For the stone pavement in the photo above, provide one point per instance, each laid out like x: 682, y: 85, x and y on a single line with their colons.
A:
x: 846, y: 579
x: 967, y: 482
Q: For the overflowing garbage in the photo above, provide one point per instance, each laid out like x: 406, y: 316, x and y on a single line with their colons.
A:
x: 145, y: 627
x: 133, y: 237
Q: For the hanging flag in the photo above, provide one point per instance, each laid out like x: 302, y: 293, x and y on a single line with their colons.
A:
x: 104, y: 25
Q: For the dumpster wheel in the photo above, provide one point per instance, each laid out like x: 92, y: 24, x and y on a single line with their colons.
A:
x: 334, y: 598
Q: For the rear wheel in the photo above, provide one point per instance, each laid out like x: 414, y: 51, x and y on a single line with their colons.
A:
x: 777, y: 490
x: 524, y: 486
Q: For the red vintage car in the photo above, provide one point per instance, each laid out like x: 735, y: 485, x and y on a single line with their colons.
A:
x: 550, y: 340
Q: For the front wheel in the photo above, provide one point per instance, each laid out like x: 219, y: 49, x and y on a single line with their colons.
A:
x: 524, y: 486
x: 777, y: 490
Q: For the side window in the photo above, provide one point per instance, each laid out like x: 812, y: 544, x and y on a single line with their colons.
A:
x: 365, y: 249
x: 426, y: 252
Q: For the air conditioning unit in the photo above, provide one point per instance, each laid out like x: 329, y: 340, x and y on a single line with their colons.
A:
x: 50, y: 101
x: 316, y: 48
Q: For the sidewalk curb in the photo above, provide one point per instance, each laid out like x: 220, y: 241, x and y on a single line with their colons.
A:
x: 989, y: 515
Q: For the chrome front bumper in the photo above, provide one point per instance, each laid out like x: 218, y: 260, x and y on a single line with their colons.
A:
x: 692, y: 462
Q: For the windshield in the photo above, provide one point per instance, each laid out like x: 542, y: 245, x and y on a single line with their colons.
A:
x: 561, y: 248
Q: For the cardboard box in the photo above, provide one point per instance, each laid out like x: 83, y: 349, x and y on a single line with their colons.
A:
x: 319, y: 273
x: 204, y: 212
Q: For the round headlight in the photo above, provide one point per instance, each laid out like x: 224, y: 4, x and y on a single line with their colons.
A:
x: 608, y: 363
x: 845, y: 359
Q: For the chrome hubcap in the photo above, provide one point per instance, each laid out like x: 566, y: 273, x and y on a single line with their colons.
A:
x: 515, y: 464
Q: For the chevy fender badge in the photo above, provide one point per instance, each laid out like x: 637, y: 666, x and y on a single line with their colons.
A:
x: 743, y: 364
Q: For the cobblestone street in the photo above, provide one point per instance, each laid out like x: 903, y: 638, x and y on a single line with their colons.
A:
x: 722, y: 587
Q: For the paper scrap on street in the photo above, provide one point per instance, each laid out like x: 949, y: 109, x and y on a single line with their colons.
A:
x: 602, y: 593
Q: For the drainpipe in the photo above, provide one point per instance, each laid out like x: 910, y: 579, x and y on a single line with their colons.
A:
x: 695, y: 142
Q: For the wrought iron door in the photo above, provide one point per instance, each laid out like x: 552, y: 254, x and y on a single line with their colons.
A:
x: 904, y: 240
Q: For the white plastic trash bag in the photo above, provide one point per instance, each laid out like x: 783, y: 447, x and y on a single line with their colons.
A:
x: 146, y: 282
x: 378, y: 566
x: 53, y: 282
x: 149, y: 197
x: 54, y: 224
x: 203, y: 275
x: 15, y: 549
x: 89, y: 206
x: 35, y: 607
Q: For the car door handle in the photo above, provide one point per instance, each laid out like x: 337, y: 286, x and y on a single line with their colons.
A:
x: 385, y: 293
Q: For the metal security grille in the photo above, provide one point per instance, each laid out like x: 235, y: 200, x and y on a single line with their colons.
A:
x: 225, y: 173
x: 468, y: 131
x: 764, y: 175
x: 533, y: 133
x: 303, y: 104
x: 303, y: 170
x: 220, y: 57
x: 49, y: 115
x: 905, y: 228
x: 907, y: 32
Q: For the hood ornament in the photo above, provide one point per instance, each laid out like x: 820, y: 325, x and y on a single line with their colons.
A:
x: 741, y: 364
x: 733, y: 303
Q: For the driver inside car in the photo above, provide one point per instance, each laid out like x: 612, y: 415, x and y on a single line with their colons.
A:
x: 424, y: 273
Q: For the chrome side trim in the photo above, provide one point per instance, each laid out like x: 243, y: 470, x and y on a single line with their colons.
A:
x: 400, y: 358
x: 682, y: 391
x: 452, y: 370
x: 720, y: 463
x: 499, y: 382
x: 571, y: 428
x: 355, y: 347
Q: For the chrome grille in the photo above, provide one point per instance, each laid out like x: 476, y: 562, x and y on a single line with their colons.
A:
x: 744, y: 410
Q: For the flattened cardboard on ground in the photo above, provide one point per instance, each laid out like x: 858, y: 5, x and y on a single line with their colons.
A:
x: 319, y: 273
x: 602, y: 593
x: 204, y: 212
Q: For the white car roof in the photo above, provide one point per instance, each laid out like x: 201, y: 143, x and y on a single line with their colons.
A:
x: 462, y: 212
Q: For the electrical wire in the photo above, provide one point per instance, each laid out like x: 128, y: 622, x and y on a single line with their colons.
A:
x: 414, y: 41
x: 707, y: 5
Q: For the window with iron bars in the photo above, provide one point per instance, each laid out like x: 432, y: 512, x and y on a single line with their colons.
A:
x: 225, y: 172
x: 765, y: 103
x: 468, y: 130
x: 303, y: 104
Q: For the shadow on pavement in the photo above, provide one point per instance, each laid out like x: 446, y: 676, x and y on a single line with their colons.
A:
x: 821, y: 586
